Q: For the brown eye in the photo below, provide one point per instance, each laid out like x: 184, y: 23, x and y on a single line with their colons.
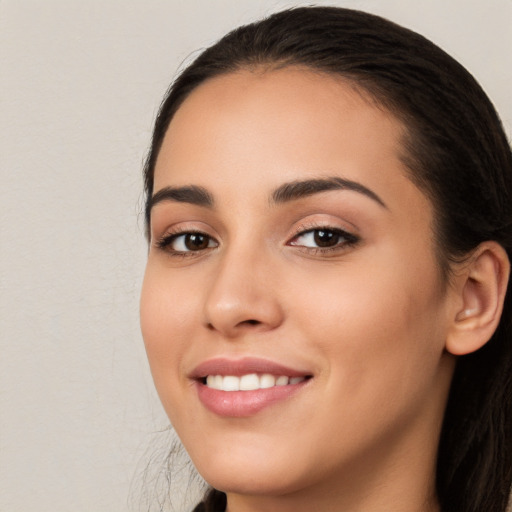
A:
x: 196, y: 241
x: 326, y: 238
x: 182, y: 243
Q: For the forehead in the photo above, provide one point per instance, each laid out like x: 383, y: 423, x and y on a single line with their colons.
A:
x: 253, y: 127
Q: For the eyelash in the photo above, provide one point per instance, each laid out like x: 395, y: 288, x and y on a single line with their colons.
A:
x: 349, y: 240
x: 165, y: 241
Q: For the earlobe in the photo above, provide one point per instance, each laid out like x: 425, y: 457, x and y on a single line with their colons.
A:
x: 482, y: 288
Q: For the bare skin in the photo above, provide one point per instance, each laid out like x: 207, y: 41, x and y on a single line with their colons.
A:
x: 365, y: 318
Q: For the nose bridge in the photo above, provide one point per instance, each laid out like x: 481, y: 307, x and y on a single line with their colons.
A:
x: 243, y: 294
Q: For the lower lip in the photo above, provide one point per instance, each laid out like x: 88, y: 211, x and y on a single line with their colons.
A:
x: 240, y: 404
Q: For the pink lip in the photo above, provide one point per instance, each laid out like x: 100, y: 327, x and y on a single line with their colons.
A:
x: 239, y: 404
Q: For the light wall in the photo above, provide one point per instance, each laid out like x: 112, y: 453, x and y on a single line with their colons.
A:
x: 80, y: 85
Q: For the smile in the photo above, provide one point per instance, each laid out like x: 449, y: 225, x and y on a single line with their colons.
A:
x: 244, y: 387
x: 249, y: 382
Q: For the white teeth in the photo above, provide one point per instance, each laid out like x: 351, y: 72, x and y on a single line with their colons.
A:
x: 249, y: 382
x: 267, y: 381
x: 282, y: 381
x: 230, y: 383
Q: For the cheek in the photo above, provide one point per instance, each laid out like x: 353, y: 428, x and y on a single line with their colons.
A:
x: 377, y: 323
x: 165, y: 312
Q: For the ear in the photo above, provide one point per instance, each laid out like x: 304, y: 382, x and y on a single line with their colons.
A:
x: 481, y: 288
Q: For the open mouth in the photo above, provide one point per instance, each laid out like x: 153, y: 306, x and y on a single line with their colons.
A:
x: 250, y: 381
x: 244, y: 387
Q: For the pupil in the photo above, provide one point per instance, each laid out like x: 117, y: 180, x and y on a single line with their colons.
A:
x: 196, y: 241
x: 325, y: 238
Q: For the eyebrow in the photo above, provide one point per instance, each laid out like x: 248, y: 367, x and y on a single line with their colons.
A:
x: 194, y: 194
x: 299, y: 189
x: 191, y: 194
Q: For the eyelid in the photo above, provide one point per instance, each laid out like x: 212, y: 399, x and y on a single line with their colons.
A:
x: 163, y: 242
x: 350, y: 239
x: 339, y: 231
x: 182, y: 226
x: 307, y: 225
x: 168, y: 239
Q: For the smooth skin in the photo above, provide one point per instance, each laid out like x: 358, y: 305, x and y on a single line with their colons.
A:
x: 370, y: 317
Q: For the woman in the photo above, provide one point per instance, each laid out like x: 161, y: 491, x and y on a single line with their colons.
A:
x: 325, y: 306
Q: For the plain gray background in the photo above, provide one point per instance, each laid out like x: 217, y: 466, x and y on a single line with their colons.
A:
x: 80, y: 85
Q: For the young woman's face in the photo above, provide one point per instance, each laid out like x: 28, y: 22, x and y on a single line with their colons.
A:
x: 292, y: 309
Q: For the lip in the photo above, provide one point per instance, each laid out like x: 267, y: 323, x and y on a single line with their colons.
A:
x: 239, y: 404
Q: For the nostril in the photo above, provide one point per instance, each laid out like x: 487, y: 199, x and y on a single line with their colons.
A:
x: 211, y: 327
x: 251, y: 322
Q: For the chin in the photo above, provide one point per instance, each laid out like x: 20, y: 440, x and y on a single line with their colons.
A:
x: 252, y: 481
x: 248, y: 474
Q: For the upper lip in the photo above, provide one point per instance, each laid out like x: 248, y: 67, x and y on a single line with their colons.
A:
x: 239, y: 367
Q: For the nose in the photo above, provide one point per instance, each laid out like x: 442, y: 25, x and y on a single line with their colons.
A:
x: 243, y: 296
